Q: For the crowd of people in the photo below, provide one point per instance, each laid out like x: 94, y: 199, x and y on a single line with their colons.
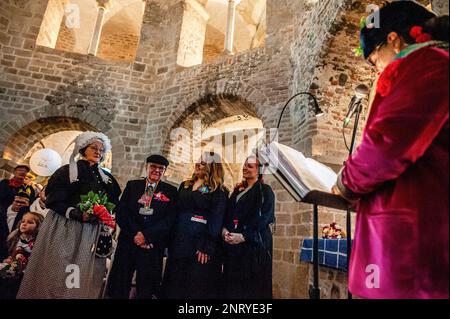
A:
x: 218, y: 242
x: 212, y: 241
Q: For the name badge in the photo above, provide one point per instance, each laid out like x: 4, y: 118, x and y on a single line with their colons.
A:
x: 146, y: 211
x: 199, y: 219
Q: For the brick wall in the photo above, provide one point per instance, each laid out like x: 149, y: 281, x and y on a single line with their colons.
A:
x: 118, y: 47
x: 66, y: 38
x: 138, y: 103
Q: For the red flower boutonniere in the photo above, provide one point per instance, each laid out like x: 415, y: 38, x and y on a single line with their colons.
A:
x: 387, y: 78
x: 161, y: 197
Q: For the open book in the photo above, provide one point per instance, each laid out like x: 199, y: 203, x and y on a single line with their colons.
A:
x: 298, y: 174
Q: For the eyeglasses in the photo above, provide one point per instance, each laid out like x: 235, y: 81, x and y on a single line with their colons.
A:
x: 375, y: 52
x: 156, y: 167
x: 98, y: 150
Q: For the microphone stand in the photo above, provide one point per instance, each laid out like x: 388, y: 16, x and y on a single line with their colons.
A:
x: 314, y: 290
x: 349, y: 216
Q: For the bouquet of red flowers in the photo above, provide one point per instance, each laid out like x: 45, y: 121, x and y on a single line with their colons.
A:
x: 98, y: 205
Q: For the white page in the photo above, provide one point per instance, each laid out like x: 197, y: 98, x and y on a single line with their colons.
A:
x: 313, y: 174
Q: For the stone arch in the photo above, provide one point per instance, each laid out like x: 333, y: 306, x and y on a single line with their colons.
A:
x: 120, y: 34
x: 25, y: 138
x: 68, y: 115
x: 204, y: 27
x: 210, y: 110
x: 255, y: 98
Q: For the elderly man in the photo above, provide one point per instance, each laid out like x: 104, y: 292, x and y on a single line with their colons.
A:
x: 10, y: 187
x: 145, y: 214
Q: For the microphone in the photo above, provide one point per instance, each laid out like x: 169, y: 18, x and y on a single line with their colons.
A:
x: 361, y: 92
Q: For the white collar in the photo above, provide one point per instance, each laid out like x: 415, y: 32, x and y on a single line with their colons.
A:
x: 151, y: 184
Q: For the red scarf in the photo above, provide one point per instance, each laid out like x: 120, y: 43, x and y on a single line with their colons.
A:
x: 15, y: 183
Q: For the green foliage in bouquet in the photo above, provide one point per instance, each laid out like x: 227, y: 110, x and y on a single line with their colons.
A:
x: 91, y: 199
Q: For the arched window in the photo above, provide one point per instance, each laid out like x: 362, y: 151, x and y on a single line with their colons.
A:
x: 212, y: 28
x: 109, y: 29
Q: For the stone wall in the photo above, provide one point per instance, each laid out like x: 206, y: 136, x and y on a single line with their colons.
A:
x: 138, y: 103
x: 193, y: 30
x: 118, y: 47
x: 66, y: 38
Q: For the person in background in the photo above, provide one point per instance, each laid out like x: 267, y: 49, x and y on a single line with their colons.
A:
x: 248, y: 238
x: 38, y: 206
x: 146, y: 213
x: 399, y: 174
x: 20, y: 242
x: 8, y: 190
x: 193, y: 268
x: 17, y: 209
x: 70, y: 236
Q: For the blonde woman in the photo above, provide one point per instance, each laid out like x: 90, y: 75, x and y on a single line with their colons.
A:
x: 193, y: 269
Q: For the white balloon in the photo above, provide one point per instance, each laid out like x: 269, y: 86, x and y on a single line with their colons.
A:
x: 45, y: 162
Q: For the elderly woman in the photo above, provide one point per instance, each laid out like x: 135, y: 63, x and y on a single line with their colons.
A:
x: 399, y: 174
x: 67, y: 260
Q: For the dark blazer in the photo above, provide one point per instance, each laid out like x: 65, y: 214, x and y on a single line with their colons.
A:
x: 156, y: 228
x: 248, y: 266
x: 246, y: 211
x: 190, y: 235
x: 7, y: 195
x: 61, y: 194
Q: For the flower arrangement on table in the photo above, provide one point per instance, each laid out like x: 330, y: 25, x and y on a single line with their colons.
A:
x: 14, y: 266
x: 333, y: 231
x: 99, y: 206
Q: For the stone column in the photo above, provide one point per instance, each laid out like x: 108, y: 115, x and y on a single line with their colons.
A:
x: 102, y: 6
x: 231, y: 24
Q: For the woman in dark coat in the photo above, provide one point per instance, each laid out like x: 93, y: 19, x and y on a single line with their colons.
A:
x: 193, y: 267
x: 248, y: 238
x: 66, y: 260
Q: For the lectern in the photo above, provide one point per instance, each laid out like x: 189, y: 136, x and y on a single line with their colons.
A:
x: 317, y: 198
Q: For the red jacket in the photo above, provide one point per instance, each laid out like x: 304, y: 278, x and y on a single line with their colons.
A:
x: 401, y: 173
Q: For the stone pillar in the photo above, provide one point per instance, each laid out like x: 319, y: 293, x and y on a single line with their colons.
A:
x: 192, y: 37
x: 231, y: 24
x: 102, y: 6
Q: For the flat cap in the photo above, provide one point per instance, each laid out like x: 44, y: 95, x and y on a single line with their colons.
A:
x: 158, y: 159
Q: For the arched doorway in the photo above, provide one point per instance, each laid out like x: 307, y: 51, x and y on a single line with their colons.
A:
x: 57, y: 133
x: 226, y: 125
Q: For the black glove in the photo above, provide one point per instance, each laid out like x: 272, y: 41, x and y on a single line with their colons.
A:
x: 76, y: 214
